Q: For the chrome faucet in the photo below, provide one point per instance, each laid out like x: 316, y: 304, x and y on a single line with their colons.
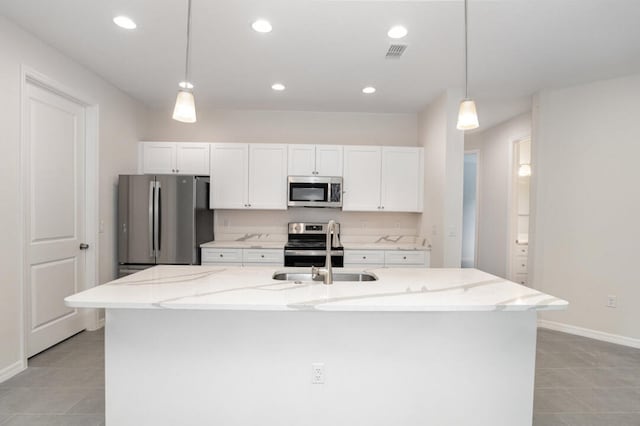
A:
x: 327, y: 272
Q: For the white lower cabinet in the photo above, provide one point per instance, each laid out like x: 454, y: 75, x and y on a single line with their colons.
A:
x: 360, y: 258
x: 263, y: 257
x: 221, y: 256
x: 242, y: 257
x: 386, y: 258
x: 407, y: 258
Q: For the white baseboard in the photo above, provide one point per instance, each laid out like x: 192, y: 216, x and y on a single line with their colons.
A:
x: 592, y: 334
x: 13, y: 369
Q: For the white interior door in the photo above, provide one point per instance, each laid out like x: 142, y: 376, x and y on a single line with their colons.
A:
x: 54, y: 207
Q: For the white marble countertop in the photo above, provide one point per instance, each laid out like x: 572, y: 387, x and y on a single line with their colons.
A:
x: 251, y: 244
x: 252, y: 288
x: 348, y: 245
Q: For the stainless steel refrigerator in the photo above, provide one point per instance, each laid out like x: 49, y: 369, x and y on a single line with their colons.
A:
x: 162, y: 219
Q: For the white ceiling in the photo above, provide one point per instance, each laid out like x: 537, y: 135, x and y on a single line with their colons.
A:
x: 326, y: 51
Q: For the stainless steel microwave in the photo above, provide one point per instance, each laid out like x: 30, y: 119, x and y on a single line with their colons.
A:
x: 314, y: 191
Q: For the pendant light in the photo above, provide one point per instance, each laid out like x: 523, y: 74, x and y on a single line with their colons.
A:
x: 467, y: 116
x: 185, y: 109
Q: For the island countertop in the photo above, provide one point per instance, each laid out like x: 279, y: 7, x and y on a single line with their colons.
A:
x: 253, y: 289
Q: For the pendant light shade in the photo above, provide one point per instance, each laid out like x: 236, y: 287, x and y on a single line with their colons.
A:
x: 185, y: 109
x: 467, y: 115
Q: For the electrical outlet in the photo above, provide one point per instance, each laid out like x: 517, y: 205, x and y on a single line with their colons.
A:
x: 612, y: 301
x: 317, y: 373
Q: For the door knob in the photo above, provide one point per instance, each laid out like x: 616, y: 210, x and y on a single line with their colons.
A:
x: 84, y: 246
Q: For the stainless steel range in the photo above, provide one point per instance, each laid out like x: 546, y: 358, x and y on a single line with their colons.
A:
x: 306, y: 246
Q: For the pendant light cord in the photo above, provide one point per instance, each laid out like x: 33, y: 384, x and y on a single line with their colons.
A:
x: 466, y: 59
x: 186, y: 62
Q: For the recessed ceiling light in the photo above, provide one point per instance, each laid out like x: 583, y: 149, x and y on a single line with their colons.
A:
x: 186, y: 85
x: 397, y: 31
x: 369, y: 90
x: 278, y: 87
x: 124, y: 22
x: 262, y: 26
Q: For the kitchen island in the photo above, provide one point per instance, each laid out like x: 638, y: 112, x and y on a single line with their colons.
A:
x: 194, y: 345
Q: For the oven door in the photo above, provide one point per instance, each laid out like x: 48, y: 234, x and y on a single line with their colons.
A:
x: 308, y: 258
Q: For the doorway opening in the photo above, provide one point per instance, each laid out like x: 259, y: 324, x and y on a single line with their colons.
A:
x: 470, y: 210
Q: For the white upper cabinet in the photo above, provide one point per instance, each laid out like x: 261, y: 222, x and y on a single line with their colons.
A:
x: 383, y: 179
x: 248, y: 176
x: 302, y: 160
x: 362, y: 173
x: 268, y: 176
x: 185, y: 158
x: 229, y: 176
x: 329, y: 160
x: 315, y: 160
x: 402, y: 179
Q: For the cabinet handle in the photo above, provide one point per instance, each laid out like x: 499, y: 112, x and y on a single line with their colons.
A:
x: 173, y: 170
x: 221, y: 255
x: 177, y: 171
x: 404, y: 257
x: 262, y: 256
x: 382, y: 207
x: 364, y: 257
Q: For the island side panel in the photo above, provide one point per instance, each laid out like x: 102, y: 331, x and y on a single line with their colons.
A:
x: 168, y: 367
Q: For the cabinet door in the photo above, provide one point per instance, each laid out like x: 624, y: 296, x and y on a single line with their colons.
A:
x: 402, y: 179
x: 329, y: 160
x: 229, y: 171
x: 404, y: 258
x: 362, y: 168
x: 268, y: 176
x: 158, y: 157
x: 301, y: 160
x: 192, y: 159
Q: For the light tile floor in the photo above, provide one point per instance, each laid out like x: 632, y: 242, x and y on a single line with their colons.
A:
x: 579, y: 382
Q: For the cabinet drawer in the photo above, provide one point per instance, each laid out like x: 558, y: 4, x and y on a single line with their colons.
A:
x: 364, y: 257
x: 215, y: 255
x: 521, y: 279
x: 522, y: 250
x: 400, y: 257
x: 275, y: 256
x: 520, y: 265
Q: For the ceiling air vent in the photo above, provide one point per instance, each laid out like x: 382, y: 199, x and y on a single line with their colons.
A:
x: 396, y: 50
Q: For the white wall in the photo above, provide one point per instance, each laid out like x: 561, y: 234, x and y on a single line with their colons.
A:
x: 444, y: 163
x: 495, y: 173
x: 118, y: 134
x: 249, y: 126
x: 586, y: 203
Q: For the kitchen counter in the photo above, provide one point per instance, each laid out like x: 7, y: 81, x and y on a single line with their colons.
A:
x: 194, y: 345
x: 250, y: 244
x: 403, y: 243
x: 237, y: 288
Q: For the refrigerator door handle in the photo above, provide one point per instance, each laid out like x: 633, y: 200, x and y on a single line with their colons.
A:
x: 151, y: 203
x: 156, y: 218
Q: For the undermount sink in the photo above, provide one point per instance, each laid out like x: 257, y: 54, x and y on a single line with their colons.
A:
x: 337, y: 276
